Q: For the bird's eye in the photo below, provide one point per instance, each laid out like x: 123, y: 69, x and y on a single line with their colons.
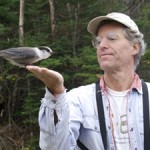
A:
x: 47, y: 50
x: 44, y: 48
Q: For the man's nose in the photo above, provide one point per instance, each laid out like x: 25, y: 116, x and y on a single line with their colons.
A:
x: 103, y: 43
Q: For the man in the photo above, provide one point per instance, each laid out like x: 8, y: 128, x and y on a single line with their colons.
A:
x: 119, y: 45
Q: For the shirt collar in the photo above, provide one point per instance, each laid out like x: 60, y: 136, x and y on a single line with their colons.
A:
x: 136, y: 85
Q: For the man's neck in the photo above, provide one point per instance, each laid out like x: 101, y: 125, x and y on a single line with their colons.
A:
x: 119, y: 81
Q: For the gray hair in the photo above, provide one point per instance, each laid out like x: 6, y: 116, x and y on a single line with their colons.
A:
x: 133, y: 37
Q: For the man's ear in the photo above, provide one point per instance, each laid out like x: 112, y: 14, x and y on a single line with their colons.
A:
x: 136, y: 48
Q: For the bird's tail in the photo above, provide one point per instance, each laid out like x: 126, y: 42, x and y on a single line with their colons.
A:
x: 1, y: 53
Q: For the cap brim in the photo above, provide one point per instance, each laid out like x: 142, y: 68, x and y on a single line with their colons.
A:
x: 94, y: 23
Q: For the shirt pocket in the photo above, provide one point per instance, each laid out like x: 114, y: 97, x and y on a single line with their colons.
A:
x: 90, y: 132
x: 91, y: 123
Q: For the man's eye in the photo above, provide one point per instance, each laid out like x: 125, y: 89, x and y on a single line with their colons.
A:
x: 112, y: 36
x: 96, y: 41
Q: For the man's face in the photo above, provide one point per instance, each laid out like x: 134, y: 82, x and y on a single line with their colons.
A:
x: 114, y: 51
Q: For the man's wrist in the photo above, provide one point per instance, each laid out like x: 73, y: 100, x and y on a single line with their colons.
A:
x: 56, y: 91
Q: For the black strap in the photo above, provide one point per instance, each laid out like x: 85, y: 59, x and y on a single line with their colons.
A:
x: 101, y: 114
x: 146, y: 117
x: 81, y: 145
x: 101, y: 119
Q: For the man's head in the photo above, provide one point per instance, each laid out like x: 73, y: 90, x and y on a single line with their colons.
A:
x: 131, y: 33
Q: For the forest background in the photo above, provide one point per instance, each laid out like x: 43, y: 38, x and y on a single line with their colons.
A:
x: 61, y: 25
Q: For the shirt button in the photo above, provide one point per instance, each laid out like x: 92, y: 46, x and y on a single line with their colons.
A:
x: 131, y: 130
x: 54, y: 101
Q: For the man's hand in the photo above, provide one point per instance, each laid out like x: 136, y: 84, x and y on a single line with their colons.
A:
x: 52, y: 79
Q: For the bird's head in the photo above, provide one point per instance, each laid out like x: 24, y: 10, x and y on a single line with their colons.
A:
x: 46, y: 51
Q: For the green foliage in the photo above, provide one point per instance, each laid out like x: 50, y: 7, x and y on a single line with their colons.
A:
x: 144, y: 66
x: 90, y: 67
x: 74, y: 57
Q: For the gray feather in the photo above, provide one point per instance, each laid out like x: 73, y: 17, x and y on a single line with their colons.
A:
x: 23, y: 56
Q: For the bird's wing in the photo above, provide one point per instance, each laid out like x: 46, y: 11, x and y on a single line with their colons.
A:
x: 18, y: 53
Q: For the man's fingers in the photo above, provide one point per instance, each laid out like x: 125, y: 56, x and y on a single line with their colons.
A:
x: 37, y: 71
x: 32, y: 68
x: 52, y: 79
x: 41, y: 73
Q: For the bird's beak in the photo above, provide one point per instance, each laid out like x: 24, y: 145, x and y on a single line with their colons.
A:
x: 51, y: 52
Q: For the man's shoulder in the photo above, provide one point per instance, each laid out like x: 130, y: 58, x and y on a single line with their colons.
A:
x: 82, y: 92
x: 148, y: 84
x: 83, y: 88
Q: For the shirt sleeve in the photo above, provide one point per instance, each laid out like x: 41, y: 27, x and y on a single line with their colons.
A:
x: 63, y: 135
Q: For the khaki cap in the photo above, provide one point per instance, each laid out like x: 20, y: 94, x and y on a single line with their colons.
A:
x: 118, y: 17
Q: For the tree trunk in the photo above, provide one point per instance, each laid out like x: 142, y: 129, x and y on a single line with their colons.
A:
x: 21, y: 22
x: 75, y: 28
x: 52, y: 17
x: 134, y: 7
x: 69, y: 11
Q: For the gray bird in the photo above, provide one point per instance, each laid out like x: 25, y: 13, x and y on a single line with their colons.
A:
x: 22, y: 56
